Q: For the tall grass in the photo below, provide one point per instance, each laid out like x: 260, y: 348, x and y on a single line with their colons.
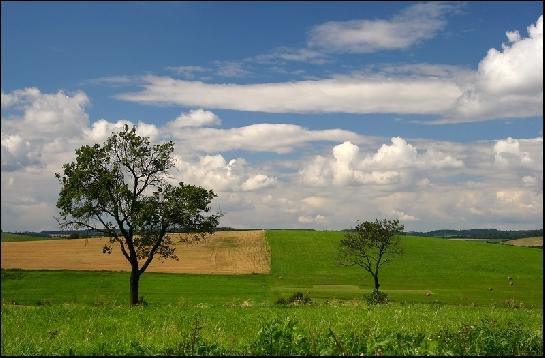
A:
x: 303, y: 330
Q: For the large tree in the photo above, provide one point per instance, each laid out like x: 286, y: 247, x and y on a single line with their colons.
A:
x: 120, y: 188
x: 370, y: 245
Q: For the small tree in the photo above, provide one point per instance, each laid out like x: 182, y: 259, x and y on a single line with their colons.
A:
x: 119, y: 188
x: 370, y: 245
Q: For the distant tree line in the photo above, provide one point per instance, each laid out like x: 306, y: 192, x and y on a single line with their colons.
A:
x: 89, y: 233
x: 481, y: 234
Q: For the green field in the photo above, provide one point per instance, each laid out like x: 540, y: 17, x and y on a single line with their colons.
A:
x: 11, y: 237
x: 471, y: 302
x: 455, y: 272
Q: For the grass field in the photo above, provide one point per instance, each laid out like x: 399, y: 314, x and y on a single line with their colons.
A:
x: 457, y: 272
x: 304, y: 330
x: 454, y: 272
x: 235, y: 314
x: 10, y: 237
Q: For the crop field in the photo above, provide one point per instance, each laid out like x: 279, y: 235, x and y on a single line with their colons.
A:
x: 228, y: 252
x: 448, y: 298
x: 527, y: 241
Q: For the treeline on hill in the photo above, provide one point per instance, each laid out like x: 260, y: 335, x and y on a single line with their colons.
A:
x: 481, y: 234
x: 89, y: 233
x: 492, y: 234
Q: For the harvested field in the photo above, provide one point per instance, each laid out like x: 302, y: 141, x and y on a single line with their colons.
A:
x: 224, y: 252
x: 527, y: 241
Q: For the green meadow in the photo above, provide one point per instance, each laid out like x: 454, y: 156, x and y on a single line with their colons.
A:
x: 11, y: 237
x: 448, y: 298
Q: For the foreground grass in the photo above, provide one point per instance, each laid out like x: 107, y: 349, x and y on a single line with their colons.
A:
x: 301, y: 330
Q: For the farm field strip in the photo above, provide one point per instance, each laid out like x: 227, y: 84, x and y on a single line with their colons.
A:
x: 227, y: 252
x: 527, y: 241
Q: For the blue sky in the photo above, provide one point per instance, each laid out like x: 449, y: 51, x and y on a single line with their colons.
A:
x: 371, y: 71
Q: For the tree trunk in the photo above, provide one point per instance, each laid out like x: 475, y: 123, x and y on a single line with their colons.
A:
x: 135, y: 277
x: 377, y: 285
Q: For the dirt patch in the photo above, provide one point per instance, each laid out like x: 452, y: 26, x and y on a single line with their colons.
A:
x: 224, y: 252
x: 527, y: 241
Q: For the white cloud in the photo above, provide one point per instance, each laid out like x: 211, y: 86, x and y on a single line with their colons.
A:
x: 508, y: 83
x: 258, y: 181
x: 428, y: 184
x: 315, y: 201
x: 263, y: 137
x: 47, y: 114
x: 414, y: 24
x: 391, y: 164
x: 403, y: 217
x: 101, y: 129
x: 17, y: 152
x: 421, y: 96
x: 507, y: 153
x: 147, y: 130
x: 399, y: 154
x: 518, y: 68
x: 37, y: 118
x: 195, y: 118
x: 213, y: 171
x: 311, y: 219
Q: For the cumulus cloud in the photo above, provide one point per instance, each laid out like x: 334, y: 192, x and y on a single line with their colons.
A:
x: 412, y: 25
x: 213, y: 171
x: 391, y: 164
x: 46, y: 114
x: 427, y: 184
x: 102, y: 129
x: 37, y: 118
x: 508, y: 83
x: 17, y: 152
x: 258, y: 181
x: 507, y: 153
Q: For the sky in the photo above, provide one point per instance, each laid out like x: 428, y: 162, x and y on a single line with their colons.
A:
x: 297, y: 114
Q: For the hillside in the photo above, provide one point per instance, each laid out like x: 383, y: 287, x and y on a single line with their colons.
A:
x: 453, y: 272
x: 492, y: 234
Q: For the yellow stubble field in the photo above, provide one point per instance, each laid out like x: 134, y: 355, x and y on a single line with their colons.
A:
x: 224, y: 252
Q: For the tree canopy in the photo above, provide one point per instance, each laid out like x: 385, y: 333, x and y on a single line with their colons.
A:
x: 121, y: 188
x: 371, y: 245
